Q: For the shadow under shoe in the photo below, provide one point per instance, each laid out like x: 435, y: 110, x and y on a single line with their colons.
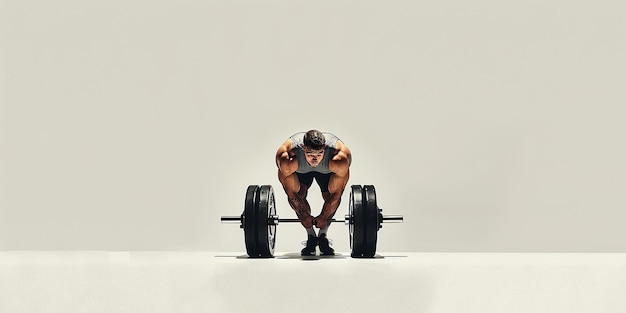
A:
x: 324, y: 244
x: 309, y: 249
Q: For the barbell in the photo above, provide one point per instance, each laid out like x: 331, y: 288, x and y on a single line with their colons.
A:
x: 259, y: 220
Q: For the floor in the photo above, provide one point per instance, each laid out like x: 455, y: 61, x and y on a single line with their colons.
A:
x: 152, y: 282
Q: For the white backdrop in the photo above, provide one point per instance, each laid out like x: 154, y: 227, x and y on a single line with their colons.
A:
x: 490, y: 125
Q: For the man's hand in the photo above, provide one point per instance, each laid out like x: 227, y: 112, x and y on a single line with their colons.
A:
x: 322, y: 221
x: 307, y: 221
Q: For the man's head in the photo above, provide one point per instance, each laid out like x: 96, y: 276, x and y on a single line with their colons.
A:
x: 314, y: 144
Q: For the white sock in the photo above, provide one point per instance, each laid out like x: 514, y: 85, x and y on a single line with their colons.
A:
x: 311, y: 231
x: 323, y: 230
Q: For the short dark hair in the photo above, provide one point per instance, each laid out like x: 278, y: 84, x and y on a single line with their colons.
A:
x: 314, y: 139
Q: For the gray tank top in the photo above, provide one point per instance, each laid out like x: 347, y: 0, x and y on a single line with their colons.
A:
x: 297, y: 140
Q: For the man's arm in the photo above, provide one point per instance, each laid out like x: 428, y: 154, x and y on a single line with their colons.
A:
x: 287, y: 166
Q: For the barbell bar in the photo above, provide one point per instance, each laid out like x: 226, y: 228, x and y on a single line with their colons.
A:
x: 275, y: 219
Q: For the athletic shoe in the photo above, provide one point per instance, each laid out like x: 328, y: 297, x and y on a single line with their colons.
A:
x: 311, y: 243
x: 325, y: 248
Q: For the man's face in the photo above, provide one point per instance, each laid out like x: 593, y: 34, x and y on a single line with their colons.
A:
x: 313, y: 156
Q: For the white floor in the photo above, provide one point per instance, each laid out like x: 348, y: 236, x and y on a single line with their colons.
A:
x: 178, y: 282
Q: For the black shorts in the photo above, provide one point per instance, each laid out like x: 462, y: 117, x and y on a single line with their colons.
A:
x: 321, y: 179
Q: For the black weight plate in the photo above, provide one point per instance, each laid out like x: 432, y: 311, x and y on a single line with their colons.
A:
x: 250, y: 224
x: 357, y: 221
x: 266, y: 232
x: 372, y: 220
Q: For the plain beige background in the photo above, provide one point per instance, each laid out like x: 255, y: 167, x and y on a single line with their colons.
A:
x: 490, y: 125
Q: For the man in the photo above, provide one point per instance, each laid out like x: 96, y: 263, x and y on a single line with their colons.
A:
x: 306, y: 156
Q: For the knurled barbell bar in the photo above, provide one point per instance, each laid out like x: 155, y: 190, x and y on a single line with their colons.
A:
x: 259, y: 221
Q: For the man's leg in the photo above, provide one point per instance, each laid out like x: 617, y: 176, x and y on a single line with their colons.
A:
x: 332, y: 190
x: 332, y: 187
x: 323, y: 240
x: 296, y: 187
